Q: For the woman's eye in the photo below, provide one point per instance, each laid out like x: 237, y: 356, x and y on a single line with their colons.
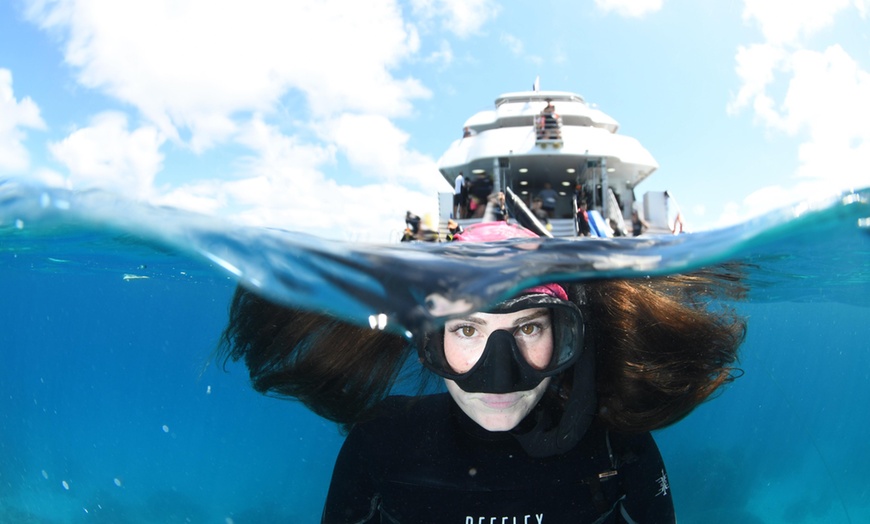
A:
x: 467, y: 331
x: 528, y: 329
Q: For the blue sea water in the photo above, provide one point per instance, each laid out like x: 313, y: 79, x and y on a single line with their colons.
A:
x: 112, y: 409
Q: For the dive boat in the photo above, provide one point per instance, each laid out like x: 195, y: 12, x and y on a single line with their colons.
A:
x: 537, y: 140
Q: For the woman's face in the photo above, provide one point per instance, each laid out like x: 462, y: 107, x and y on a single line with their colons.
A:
x: 464, y: 342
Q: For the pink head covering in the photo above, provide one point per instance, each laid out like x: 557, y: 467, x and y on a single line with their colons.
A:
x: 495, y: 231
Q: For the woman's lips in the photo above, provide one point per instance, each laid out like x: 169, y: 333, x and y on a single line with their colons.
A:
x: 500, y: 401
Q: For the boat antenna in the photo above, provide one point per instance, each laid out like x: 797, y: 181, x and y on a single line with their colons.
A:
x: 537, y: 85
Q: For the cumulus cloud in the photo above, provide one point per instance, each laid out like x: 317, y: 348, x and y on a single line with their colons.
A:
x: 15, y: 115
x: 820, y: 95
x: 108, y: 155
x: 194, y: 65
x: 283, y: 183
x: 518, y: 48
x: 785, y: 21
x: 301, y: 86
x: 372, y: 213
x: 464, y: 18
x: 443, y: 56
x: 756, y: 68
x: 826, y: 91
x: 378, y: 148
x: 829, y: 95
x: 630, y: 8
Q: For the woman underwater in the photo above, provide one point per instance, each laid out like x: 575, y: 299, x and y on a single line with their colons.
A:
x: 550, y: 399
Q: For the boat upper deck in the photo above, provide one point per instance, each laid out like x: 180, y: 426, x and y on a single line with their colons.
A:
x: 522, y: 108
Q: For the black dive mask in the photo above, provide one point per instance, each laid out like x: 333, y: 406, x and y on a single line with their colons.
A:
x: 502, y: 366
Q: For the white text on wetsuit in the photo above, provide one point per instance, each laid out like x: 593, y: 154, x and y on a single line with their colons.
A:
x: 525, y: 519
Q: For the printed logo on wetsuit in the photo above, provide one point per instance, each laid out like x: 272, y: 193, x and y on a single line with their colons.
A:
x: 537, y: 518
x: 663, y: 484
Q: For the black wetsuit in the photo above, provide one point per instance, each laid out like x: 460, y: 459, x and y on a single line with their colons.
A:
x: 433, y: 464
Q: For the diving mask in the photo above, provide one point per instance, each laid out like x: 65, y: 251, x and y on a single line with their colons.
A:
x: 541, y: 344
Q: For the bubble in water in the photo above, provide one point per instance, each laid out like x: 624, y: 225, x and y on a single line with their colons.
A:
x: 65, y: 484
x: 165, y: 428
x: 44, y: 474
x: 117, y: 482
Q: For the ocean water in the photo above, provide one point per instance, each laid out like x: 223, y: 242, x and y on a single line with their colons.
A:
x: 112, y: 409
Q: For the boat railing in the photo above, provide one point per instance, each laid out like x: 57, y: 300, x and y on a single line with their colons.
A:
x: 548, y: 127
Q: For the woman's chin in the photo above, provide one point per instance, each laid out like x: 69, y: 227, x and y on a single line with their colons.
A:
x: 499, y: 423
x: 500, y: 416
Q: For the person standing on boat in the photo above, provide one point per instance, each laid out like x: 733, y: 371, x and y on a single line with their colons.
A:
x: 550, y: 397
x: 481, y: 188
x: 415, y: 229
x: 554, y: 124
x: 412, y: 223
x: 453, y: 229
x: 460, y: 194
x: 500, y: 207
x: 584, y: 229
x: 540, y: 214
x: 549, y: 123
x: 548, y: 198
x: 638, y: 224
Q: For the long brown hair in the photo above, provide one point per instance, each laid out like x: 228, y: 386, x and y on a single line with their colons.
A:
x: 663, y: 345
x: 339, y: 370
x: 661, y: 348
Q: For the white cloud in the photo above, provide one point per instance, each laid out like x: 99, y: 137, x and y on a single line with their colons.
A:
x: 630, y: 8
x: 14, y: 115
x: 202, y: 196
x: 776, y: 197
x: 362, y: 213
x: 205, y: 74
x: 513, y: 43
x: 756, y: 65
x: 444, y: 55
x: 518, y: 48
x: 461, y: 17
x: 320, y: 206
x: 785, y: 21
x: 283, y: 183
x: 293, y: 191
x: 378, y: 148
x: 107, y: 155
x: 274, y: 149
x: 820, y: 96
x: 197, y: 64
x: 829, y: 94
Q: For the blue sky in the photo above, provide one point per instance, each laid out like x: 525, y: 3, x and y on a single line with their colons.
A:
x: 329, y: 116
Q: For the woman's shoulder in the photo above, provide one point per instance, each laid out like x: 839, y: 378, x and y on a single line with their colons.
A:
x: 633, y: 447
x: 406, y: 413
